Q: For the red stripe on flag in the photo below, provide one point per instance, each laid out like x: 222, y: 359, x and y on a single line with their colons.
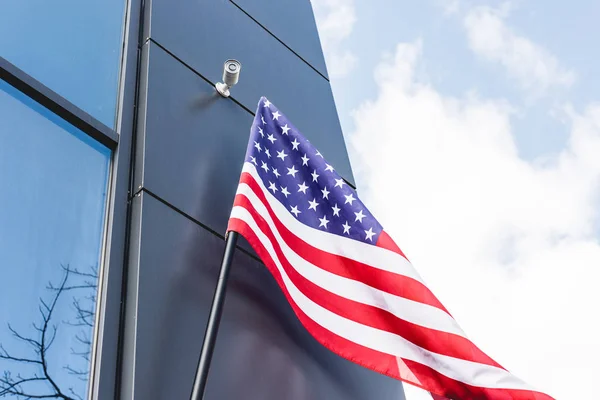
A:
x: 395, y: 284
x: 386, y: 242
x: 430, y: 339
x: 417, y: 374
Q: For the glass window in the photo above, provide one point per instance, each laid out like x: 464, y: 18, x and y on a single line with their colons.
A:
x: 53, y: 184
x: 71, y: 46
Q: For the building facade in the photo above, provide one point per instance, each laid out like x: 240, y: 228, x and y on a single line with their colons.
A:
x: 119, y: 164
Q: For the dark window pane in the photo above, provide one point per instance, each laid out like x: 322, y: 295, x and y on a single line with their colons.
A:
x: 71, y: 46
x: 53, y: 181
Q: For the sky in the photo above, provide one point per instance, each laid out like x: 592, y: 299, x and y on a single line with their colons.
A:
x: 473, y: 129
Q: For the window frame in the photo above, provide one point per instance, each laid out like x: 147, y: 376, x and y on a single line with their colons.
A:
x: 57, y: 104
x: 106, y: 362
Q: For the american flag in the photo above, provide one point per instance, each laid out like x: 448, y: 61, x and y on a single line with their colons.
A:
x: 349, y: 284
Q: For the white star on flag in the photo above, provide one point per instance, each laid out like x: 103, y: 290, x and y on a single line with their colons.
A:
x: 370, y: 234
x: 349, y: 198
x: 295, y: 144
x: 281, y: 154
x: 359, y: 216
x: 336, y: 210
x: 295, y: 211
x: 346, y: 228
x: 292, y: 171
x: 265, y: 166
x: 302, y: 188
x: 315, y: 176
x: 324, y: 221
x: 305, y: 160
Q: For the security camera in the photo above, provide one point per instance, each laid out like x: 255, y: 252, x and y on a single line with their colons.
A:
x: 231, y: 75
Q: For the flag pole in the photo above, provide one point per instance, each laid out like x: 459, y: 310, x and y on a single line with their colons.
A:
x: 214, y: 318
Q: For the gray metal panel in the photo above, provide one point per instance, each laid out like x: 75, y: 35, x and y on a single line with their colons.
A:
x: 204, y: 34
x: 189, y: 151
x: 262, y: 351
x: 292, y: 22
x: 193, y: 147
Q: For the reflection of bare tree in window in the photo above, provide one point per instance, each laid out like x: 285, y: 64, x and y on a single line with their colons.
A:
x: 84, y: 307
x: 30, y: 376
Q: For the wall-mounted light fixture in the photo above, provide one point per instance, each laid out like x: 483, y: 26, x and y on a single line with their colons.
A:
x: 231, y: 75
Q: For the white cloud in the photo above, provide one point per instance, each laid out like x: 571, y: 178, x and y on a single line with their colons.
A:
x: 335, y: 21
x: 535, y: 69
x: 450, y: 6
x: 509, y: 246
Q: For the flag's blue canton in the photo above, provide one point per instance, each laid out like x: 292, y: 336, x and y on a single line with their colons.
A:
x: 301, y: 179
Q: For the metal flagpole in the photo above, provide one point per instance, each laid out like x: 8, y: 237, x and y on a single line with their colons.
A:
x: 214, y: 318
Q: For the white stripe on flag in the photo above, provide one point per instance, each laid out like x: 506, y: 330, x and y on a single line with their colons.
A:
x: 408, y: 310
x: 468, y: 372
x: 376, y: 257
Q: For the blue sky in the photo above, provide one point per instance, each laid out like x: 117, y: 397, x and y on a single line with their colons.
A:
x: 473, y: 129
x: 455, y: 69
